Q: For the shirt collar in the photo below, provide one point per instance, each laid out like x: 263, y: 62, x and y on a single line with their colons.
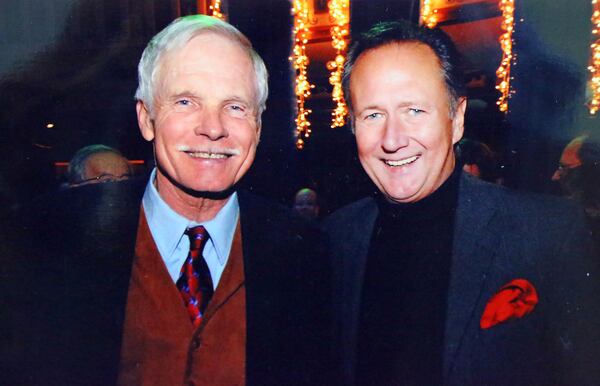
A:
x: 222, y: 227
x: 168, y: 227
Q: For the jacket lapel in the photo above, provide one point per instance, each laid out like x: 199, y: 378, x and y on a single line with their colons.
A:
x: 474, y: 248
x: 352, y: 247
x: 259, y: 238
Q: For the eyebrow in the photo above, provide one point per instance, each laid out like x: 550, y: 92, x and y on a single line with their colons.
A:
x: 403, y: 104
x: 370, y: 107
x: 182, y: 94
x: 237, y: 98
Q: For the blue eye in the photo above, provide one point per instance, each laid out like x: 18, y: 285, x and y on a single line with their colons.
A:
x: 183, y: 102
x: 236, y: 110
x: 415, y: 111
x: 373, y: 116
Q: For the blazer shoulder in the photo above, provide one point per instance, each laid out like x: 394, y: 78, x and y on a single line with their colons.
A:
x: 350, y: 213
x: 526, y: 205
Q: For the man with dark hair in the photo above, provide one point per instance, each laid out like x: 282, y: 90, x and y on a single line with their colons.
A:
x: 441, y: 278
x: 97, y: 163
x: 180, y: 278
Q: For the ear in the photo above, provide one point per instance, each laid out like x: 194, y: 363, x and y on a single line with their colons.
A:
x: 458, y: 122
x: 258, y: 130
x: 145, y: 121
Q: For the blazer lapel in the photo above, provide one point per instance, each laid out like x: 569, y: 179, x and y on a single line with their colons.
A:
x: 349, y: 263
x: 259, y: 238
x: 475, y: 244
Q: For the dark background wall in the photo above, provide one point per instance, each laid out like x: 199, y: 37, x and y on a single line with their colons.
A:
x: 548, y: 107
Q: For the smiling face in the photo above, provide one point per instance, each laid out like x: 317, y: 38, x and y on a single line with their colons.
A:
x: 404, y: 132
x: 204, y: 123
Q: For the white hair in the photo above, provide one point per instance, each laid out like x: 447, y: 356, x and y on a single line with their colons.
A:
x: 178, y: 33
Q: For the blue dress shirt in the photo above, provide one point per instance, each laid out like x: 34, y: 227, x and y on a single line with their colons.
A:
x: 168, y: 227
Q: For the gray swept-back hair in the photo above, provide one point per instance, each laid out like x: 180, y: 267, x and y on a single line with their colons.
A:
x: 178, y: 33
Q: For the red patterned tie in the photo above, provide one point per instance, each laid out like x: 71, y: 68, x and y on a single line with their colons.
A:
x: 194, y: 283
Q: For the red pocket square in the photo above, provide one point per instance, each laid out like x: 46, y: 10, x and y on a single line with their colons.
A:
x: 514, y: 300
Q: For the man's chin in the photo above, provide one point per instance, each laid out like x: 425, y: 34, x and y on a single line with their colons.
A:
x: 210, y: 194
x: 405, y: 195
x: 200, y: 192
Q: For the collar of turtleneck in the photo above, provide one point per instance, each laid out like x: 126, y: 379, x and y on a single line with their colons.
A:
x: 442, y: 202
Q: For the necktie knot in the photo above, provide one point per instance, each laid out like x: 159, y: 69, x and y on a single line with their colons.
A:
x: 197, y: 236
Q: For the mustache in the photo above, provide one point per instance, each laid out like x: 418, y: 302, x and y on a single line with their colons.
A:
x: 209, y: 150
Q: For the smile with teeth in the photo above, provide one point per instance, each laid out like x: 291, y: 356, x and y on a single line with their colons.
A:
x: 205, y: 155
x: 402, y: 162
x: 208, y: 153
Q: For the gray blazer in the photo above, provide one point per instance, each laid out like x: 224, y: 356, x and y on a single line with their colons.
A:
x: 500, y: 235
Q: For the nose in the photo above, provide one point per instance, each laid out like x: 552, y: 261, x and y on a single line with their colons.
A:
x: 394, y: 136
x: 210, y: 124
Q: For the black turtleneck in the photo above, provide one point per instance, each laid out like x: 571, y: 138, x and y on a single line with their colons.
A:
x: 405, y: 290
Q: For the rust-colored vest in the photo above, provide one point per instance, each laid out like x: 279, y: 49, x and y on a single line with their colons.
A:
x: 160, y: 346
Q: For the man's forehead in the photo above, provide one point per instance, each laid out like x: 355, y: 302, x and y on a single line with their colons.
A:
x: 403, y: 49
x: 105, y: 161
x: 306, y: 197
x: 203, y: 47
x: 415, y: 61
x: 207, y: 54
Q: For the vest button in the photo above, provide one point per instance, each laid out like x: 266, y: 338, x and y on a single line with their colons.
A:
x: 196, y: 343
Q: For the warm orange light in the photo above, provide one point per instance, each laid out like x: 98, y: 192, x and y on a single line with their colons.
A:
x: 594, y: 67
x: 339, y: 15
x: 503, y: 72
x: 300, y: 62
x: 428, y: 14
x: 215, y: 9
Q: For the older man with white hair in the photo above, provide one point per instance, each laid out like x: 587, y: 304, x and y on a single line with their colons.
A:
x: 182, y: 279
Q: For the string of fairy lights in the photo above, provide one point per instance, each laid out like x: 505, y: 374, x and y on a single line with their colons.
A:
x: 506, y: 43
x: 300, y: 62
x: 338, y: 13
x: 594, y: 67
x: 428, y: 14
x: 429, y: 18
x: 215, y: 9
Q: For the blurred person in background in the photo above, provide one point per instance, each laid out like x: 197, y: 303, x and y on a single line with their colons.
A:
x: 578, y: 174
x: 306, y: 204
x: 477, y: 159
x: 97, y: 163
